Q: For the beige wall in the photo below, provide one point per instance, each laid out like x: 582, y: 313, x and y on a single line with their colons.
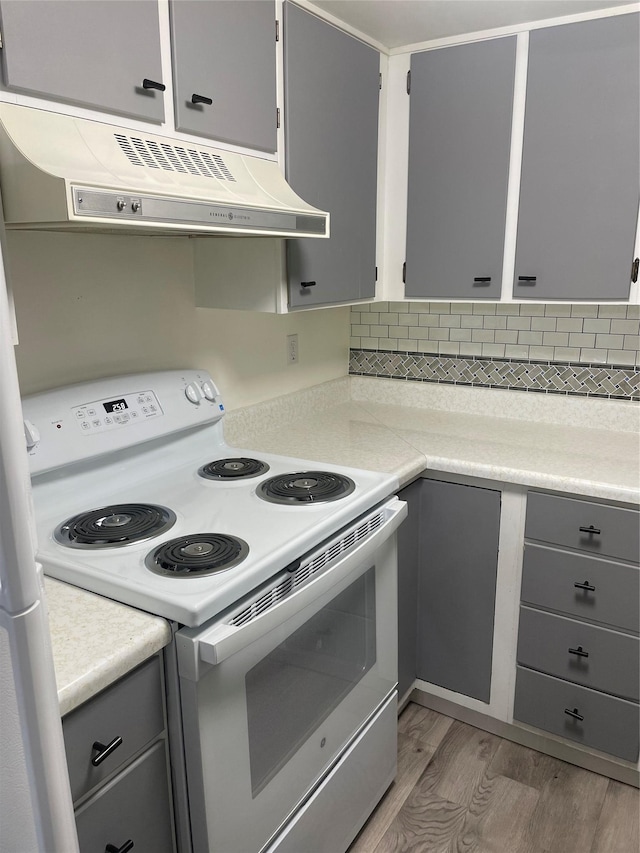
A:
x: 98, y: 305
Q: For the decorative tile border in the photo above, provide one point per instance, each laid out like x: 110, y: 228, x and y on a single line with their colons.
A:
x: 617, y: 382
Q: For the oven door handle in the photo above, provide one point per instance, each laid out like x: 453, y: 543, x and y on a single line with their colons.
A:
x: 223, y: 640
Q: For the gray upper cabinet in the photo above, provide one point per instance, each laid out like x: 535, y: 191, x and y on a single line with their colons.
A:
x: 579, y: 185
x: 459, y: 144
x: 224, y: 66
x: 331, y: 125
x: 94, y: 54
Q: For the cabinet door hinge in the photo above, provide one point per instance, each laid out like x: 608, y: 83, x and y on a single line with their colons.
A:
x: 380, y: 80
x: 634, y: 269
x: 277, y: 30
x: 1, y: 45
x: 408, y: 82
x: 277, y: 117
x: 404, y: 272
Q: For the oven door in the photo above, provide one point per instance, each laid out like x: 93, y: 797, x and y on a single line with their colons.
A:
x: 272, y: 698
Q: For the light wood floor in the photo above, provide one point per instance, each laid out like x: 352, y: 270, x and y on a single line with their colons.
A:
x: 462, y: 790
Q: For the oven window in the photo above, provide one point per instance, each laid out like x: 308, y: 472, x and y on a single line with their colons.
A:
x: 292, y: 690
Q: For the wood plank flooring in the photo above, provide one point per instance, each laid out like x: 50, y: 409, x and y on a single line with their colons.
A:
x: 462, y: 790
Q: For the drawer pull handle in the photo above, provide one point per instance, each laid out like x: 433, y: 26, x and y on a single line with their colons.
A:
x: 483, y: 280
x: 153, y: 84
x: 574, y: 714
x: 201, y: 99
x: 579, y: 652
x: 590, y: 529
x: 111, y: 848
x: 105, y: 750
x: 307, y: 284
x: 527, y: 280
x: 586, y: 586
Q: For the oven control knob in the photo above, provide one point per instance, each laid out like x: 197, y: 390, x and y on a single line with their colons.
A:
x: 31, y: 434
x: 193, y: 393
x: 210, y: 391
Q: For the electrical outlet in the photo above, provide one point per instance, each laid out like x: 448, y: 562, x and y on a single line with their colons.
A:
x: 292, y: 349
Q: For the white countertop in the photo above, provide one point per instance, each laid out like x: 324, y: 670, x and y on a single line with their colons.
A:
x: 399, y: 428
x: 367, y: 428
x: 96, y: 641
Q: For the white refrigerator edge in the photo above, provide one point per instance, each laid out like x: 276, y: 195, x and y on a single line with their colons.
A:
x: 36, y: 811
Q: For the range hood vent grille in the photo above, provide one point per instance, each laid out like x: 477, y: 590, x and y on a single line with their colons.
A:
x: 172, y: 158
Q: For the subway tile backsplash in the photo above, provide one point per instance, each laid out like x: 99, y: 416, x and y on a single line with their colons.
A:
x: 579, y: 340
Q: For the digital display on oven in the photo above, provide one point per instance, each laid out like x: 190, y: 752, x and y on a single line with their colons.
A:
x: 115, y: 406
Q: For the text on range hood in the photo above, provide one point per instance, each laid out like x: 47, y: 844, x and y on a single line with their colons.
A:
x: 59, y: 172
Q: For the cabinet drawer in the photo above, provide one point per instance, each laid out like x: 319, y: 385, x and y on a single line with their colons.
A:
x: 597, y: 528
x: 609, y: 724
x: 131, y: 709
x: 581, y: 585
x: 135, y: 806
x: 601, y: 658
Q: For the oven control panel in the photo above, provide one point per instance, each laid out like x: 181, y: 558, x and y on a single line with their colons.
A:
x: 128, y: 409
x: 116, y: 413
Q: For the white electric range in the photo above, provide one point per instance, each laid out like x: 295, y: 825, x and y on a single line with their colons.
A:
x: 117, y: 457
x: 279, y: 575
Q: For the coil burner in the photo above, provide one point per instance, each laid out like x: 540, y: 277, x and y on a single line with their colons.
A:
x: 197, y: 555
x: 239, y: 468
x: 114, y: 526
x: 307, y: 487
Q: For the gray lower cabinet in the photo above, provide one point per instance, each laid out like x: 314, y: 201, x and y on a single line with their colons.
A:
x: 580, y: 167
x: 331, y: 83
x: 578, y: 648
x: 459, y: 144
x: 590, y: 655
x: 459, y: 532
x: 585, y: 526
x: 584, y: 716
x: 116, y: 745
x: 133, y: 807
x: 224, y: 67
x: 97, y: 54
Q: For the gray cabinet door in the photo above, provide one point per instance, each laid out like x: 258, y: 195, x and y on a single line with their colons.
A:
x: 225, y: 51
x: 457, y: 586
x: 459, y: 146
x: 579, y: 186
x: 95, y: 54
x: 331, y: 125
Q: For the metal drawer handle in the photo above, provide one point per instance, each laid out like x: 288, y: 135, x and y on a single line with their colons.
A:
x: 105, y: 750
x: 579, y: 652
x: 152, y: 84
x: 528, y: 280
x: 590, y: 529
x: 586, y: 586
x: 483, y: 280
x: 111, y: 848
x: 307, y: 284
x: 574, y: 714
x: 200, y: 99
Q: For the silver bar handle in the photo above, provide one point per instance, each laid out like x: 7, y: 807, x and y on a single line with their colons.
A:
x: 224, y: 640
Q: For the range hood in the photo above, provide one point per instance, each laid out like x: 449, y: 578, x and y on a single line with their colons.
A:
x: 59, y: 172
